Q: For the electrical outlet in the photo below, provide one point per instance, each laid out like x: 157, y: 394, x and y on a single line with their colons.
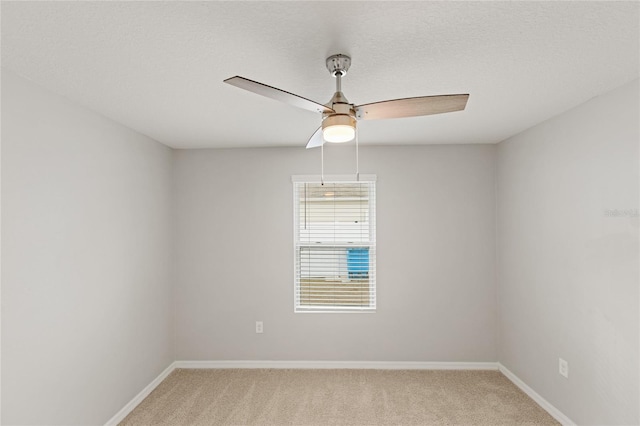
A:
x: 258, y: 326
x: 563, y: 367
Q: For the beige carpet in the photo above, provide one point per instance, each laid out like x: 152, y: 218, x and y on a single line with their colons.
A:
x: 337, y: 397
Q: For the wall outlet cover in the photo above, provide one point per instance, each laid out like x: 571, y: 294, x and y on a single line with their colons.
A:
x: 563, y: 367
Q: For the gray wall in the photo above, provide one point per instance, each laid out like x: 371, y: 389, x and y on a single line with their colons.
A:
x: 568, y: 272
x: 86, y: 309
x: 436, y: 256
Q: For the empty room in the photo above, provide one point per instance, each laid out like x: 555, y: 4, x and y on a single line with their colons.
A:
x: 320, y: 213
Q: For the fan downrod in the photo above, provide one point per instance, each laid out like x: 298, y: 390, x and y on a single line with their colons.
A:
x: 338, y: 65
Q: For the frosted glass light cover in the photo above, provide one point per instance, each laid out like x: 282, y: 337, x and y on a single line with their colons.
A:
x: 338, y: 134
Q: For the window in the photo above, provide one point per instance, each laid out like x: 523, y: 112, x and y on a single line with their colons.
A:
x: 334, y: 244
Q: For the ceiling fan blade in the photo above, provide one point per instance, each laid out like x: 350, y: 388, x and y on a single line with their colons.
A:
x: 411, y: 107
x: 316, y: 139
x: 277, y: 94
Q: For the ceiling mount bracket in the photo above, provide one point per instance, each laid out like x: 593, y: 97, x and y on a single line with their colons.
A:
x: 338, y: 65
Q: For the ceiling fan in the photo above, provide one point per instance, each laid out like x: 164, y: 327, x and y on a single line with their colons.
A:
x: 339, y: 116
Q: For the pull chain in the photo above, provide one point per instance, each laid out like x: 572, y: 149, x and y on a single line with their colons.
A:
x: 357, y: 159
x: 322, y: 164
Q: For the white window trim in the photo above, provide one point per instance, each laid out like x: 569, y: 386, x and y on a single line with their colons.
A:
x: 333, y: 179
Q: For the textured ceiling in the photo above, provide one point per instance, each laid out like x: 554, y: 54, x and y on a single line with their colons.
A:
x: 158, y: 67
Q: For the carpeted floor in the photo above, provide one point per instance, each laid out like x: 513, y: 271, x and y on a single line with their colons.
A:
x: 337, y: 397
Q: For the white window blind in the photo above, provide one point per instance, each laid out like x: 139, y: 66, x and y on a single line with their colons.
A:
x: 334, y: 244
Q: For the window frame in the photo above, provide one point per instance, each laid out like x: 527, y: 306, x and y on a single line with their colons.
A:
x: 371, y: 243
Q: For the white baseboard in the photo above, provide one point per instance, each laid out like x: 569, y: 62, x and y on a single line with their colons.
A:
x: 376, y: 365
x: 555, y: 413
x: 139, y: 397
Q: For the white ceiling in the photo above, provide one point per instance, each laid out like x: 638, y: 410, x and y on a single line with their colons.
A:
x: 157, y: 67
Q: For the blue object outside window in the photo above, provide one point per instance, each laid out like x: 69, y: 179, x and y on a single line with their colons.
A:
x: 358, y: 262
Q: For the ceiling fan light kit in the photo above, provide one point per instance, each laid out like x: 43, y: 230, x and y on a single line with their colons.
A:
x: 339, y: 129
x: 339, y: 117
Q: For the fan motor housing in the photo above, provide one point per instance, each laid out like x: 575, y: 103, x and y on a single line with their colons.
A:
x: 339, y: 120
x: 341, y: 108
